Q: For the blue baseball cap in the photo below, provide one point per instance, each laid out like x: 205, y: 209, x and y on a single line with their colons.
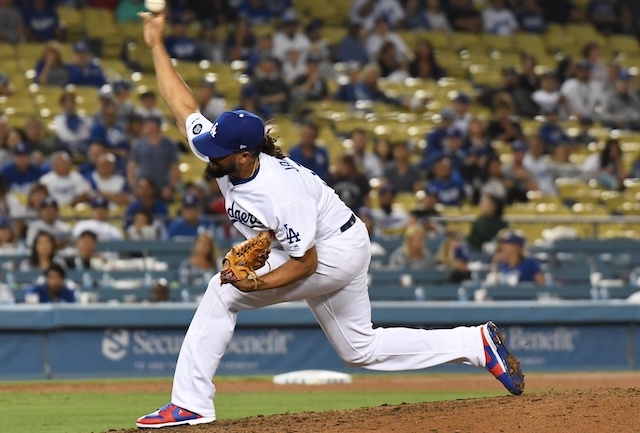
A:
x: 190, y: 200
x: 99, y: 201
x: 511, y: 237
x: 21, y: 149
x: 519, y: 146
x: 233, y: 131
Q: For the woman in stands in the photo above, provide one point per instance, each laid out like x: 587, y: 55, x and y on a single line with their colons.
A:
x: 203, y: 263
x: 43, y: 254
x: 607, y: 166
x: 50, y: 70
x: 413, y: 254
x: 511, y: 266
x: 424, y: 64
x: 489, y: 222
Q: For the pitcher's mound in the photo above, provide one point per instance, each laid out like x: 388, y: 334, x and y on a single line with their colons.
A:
x: 599, y: 410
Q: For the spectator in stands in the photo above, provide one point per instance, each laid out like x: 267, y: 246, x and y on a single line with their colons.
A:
x: 490, y: 180
x: 8, y: 240
x: 39, y: 142
x: 538, y: 163
x: 561, y: 11
x: 511, y: 264
x: 367, y: 12
x: 127, y: 11
x: 257, y: 12
x: 148, y: 108
x: 12, y: 28
x: 201, y: 265
x: 42, y: 22
x: 349, y: 183
x: 146, y: 200
x: 309, y: 154
x: 464, y: 17
x: 10, y: 205
x: 43, y: 253
x: 598, y: 70
x: 270, y: 86
x: 50, y: 69
x: 528, y: 79
x: 461, y: 104
x: 383, y: 150
x: 368, y: 89
x: 310, y: 86
x: 190, y: 221
x: 64, y: 183
x: 94, y: 151
x: 21, y: 174
x: 211, y: 103
x: 367, y: 162
x: 71, y: 128
x: 435, y: 138
x: 35, y: 197
x: 352, y: 47
x: 518, y: 90
x: 293, y: 66
x: 319, y: 45
x: 530, y: 18
x: 210, y: 46
x: 54, y: 290
x: 452, y: 149
x: 249, y: 101
x: 110, y: 133
x: 179, y: 45
x: 85, y: 256
x: 547, y: 97
x: 347, y: 92
x: 477, y: 147
x: 518, y: 179
x: 106, y: 182
x: 85, y: 70
x: 503, y: 127
x: 144, y: 228
x: 413, y: 254
x: 579, y: 94
x: 584, y: 136
x: 6, y: 155
x: 99, y: 222
x: 424, y: 64
x: 155, y: 157
x: 489, y: 223
x: 449, y: 188
x: 453, y: 255
x: 382, y: 34
x: 499, y: 20
x: 426, y: 210
x: 289, y: 37
x: 604, y: 15
x: 437, y: 20
x: 415, y: 19
x: 551, y: 131
x: 241, y: 40
x: 389, y: 221
x: 561, y: 165
x: 621, y: 108
x: 400, y: 173
x: 607, y: 166
x: 121, y: 97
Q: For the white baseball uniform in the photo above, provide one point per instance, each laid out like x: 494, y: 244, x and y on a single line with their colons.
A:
x: 303, y: 211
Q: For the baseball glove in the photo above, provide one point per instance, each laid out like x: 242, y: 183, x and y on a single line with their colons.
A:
x: 243, y: 259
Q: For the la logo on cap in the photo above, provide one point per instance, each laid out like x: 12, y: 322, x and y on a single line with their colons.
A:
x: 214, y: 130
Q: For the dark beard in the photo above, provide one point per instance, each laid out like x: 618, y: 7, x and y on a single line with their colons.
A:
x: 212, y: 173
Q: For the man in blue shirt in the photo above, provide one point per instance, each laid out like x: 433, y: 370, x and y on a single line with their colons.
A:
x: 85, y: 70
x: 109, y: 133
x: 452, y: 149
x: 179, y: 45
x: 42, y: 21
x: 21, y: 174
x: 352, y: 47
x: 256, y: 11
x: 54, y: 289
x: 551, y: 131
x: 309, y: 154
x: 435, y: 138
x: 449, y: 189
x: 190, y: 221
x: 147, y: 200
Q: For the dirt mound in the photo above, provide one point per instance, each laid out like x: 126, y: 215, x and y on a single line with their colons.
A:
x: 596, y: 410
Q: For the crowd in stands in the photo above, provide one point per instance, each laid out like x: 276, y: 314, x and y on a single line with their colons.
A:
x: 120, y: 162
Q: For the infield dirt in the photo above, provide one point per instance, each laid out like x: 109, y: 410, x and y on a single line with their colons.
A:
x: 567, y: 403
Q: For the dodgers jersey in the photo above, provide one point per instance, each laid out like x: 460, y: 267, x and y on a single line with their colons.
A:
x: 281, y: 196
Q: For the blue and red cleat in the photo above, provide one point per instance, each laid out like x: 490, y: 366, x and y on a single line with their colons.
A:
x: 500, y: 362
x: 171, y: 416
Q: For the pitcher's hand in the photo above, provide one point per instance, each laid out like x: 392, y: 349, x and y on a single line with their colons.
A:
x: 153, y: 28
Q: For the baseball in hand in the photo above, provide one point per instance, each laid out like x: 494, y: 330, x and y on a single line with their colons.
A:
x: 155, y: 6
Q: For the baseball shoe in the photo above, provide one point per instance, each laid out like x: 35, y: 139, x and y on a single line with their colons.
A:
x: 500, y: 362
x: 170, y: 416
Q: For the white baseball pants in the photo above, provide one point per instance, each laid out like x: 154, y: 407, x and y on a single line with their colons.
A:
x: 338, y: 297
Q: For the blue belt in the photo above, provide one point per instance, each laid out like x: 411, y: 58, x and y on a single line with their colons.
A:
x: 348, y: 224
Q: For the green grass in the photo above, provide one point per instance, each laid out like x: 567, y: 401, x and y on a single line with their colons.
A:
x: 27, y: 412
